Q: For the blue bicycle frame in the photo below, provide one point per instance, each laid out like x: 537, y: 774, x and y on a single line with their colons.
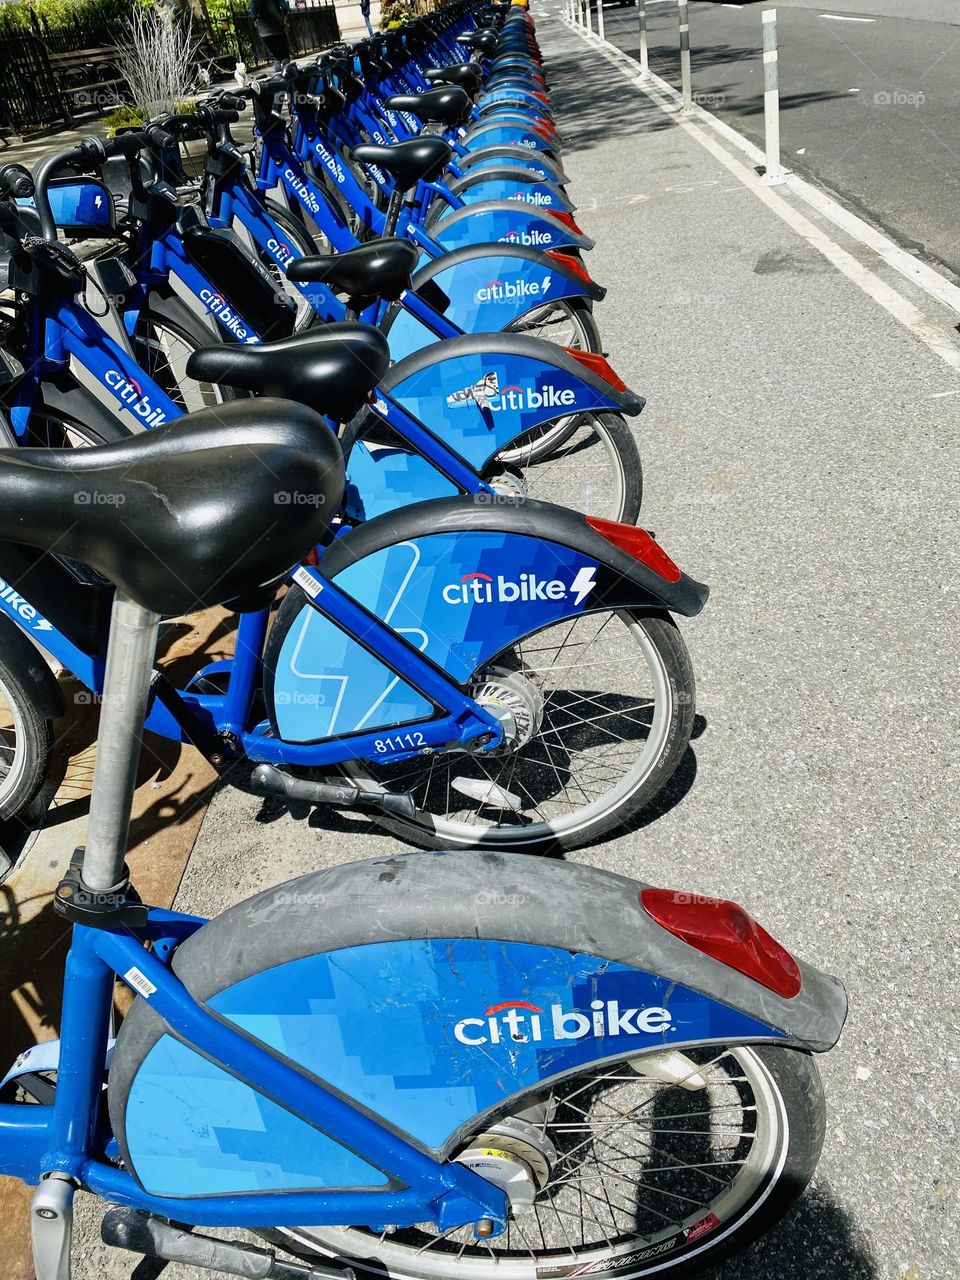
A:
x: 68, y: 1137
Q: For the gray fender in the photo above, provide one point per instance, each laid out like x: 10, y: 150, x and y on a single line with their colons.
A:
x: 507, y: 897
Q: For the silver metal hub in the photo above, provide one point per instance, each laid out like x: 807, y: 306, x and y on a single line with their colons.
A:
x: 515, y: 701
x: 516, y: 1156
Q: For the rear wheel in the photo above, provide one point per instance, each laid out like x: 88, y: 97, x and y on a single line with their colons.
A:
x: 597, y: 713
x: 163, y: 346
x: 25, y: 738
x: 568, y: 322
x: 588, y: 462
x: 634, y: 1174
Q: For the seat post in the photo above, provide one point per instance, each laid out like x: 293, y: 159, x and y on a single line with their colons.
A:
x: 130, y: 655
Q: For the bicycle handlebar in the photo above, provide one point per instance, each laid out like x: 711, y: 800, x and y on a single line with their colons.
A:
x: 86, y: 156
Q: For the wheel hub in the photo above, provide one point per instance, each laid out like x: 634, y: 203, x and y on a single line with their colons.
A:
x: 515, y: 1156
x: 515, y: 701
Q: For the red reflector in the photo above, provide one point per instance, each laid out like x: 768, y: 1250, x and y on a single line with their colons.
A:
x: 637, y: 543
x: 572, y: 264
x: 723, y: 930
x: 561, y: 215
x: 596, y: 364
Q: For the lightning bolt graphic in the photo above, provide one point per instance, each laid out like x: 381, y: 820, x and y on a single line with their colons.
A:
x: 583, y: 584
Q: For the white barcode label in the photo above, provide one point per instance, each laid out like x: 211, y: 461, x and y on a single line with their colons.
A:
x: 304, y: 578
x: 140, y: 983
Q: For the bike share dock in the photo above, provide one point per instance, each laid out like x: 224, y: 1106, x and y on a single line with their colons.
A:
x: 800, y: 447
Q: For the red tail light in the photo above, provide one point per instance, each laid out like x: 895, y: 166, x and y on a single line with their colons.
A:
x: 637, y: 543
x: 723, y: 930
x: 596, y: 364
x: 572, y: 264
x: 566, y: 218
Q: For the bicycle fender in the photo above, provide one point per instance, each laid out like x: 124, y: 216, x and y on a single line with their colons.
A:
x: 24, y: 658
x: 480, y: 392
x: 487, y: 287
x: 513, y: 222
x: 433, y: 989
x: 532, y: 161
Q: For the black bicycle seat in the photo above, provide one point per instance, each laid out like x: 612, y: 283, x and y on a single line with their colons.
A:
x: 332, y: 368
x: 378, y: 269
x: 213, y: 509
x: 467, y: 75
x: 447, y: 105
x: 409, y: 162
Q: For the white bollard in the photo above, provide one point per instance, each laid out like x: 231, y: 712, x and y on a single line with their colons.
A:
x: 600, y: 31
x: 588, y: 10
x: 686, y: 79
x: 774, y: 174
x: 644, y: 62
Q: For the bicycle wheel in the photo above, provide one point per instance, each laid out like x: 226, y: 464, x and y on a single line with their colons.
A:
x: 163, y: 346
x: 598, y: 712
x: 25, y: 738
x: 594, y: 468
x: 633, y: 1176
x: 568, y: 323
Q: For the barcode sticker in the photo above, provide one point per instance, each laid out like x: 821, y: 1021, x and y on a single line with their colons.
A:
x: 304, y: 578
x: 140, y: 983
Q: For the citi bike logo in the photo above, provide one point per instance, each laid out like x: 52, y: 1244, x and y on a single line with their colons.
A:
x: 21, y: 608
x: 516, y: 398
x: 481, y: 588
x: 130, y: 394
x: 280, y: 251
x: 330, y: 161
x: 533, y: 237
x: 504, y: 291
x: 302, y: 188
x: 216, y: 304
x: 533, y: 197
x: 520, y: 1022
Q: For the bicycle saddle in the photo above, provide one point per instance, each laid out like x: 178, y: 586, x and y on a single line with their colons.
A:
x: 212, y: 509
x: 484, y: 39
x: 332, y: 368
x: 378, y: 269
x: 467, y: 75
x: 447, y: 105
x: 409, y: 162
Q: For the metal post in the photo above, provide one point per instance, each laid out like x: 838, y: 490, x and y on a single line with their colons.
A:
x: 600, y: 31
x: 642, y: 15
x: 686, y: 80
x: 588, y: 12
x: 771, y: 99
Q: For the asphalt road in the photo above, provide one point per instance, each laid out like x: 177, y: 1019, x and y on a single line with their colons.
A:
x: 869, y: 93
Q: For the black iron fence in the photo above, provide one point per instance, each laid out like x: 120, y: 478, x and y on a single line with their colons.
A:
x: 233, y: 36
x: 42, y: 69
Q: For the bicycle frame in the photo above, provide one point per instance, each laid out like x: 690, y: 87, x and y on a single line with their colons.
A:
x: 64, y: 336
x: 208, y: 719
x: 67, y: 1137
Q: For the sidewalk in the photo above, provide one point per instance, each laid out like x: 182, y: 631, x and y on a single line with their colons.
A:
x: 800, y: 450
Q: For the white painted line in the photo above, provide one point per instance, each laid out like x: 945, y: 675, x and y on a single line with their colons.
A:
x: 842, y: 17
x: 906, y: 264
x: 934, y: 337
x: 939, y: 395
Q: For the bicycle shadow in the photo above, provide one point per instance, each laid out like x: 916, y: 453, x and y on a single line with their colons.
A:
x: 353, y: 821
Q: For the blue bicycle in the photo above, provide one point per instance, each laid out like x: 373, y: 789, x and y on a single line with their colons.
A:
x: 425, y: 1066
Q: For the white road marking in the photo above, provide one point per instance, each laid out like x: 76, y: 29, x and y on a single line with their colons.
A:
x: 926, y: 331
x: 842, y: 17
